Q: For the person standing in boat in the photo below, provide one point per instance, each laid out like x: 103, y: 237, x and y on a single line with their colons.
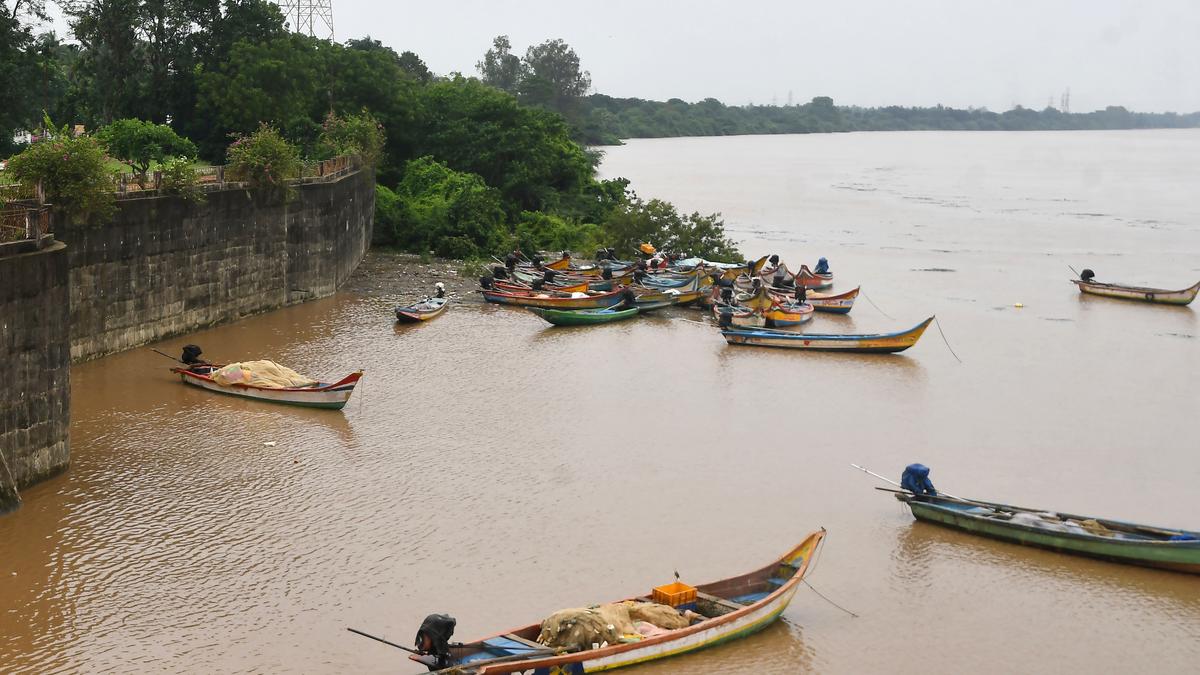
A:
x: 916, y: 480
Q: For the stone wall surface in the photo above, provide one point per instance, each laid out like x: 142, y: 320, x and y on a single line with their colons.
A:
x: 35, y: 376
x: 166, y: 267
x: 163, y: 267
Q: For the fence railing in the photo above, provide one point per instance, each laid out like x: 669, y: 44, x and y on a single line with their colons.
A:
x: 18, y: 223
x: 213, y: 177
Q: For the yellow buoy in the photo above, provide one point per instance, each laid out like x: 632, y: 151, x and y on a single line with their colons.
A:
x: 1018, y: 304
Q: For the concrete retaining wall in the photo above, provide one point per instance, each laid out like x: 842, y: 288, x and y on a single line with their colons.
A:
x: 35, y: 375
x: 165, y: 267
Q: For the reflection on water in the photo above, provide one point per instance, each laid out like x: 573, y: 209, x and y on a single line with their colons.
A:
x: 497, y: 469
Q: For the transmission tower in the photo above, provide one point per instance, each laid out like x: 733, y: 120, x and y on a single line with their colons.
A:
x: 310, y: 17
x: 1065, y: 101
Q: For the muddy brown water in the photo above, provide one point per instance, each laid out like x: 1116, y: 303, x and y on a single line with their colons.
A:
x: 498, y: 470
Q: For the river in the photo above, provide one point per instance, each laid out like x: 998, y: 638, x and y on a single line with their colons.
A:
x: 498, y: 470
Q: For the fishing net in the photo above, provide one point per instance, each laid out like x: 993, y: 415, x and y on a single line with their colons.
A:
x: 261, y: 374
x: 581, y: 628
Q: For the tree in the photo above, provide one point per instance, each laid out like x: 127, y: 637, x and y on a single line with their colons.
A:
x: 553, y: 79
x: 414, y: 66
x: 72, y: 172
x: 501, y: 68
x: 107, y: 33
x: 455, y: 214
x: 136, y: 144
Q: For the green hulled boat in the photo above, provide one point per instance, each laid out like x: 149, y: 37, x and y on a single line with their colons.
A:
x: 1113, y: 540
x: 583, y: 317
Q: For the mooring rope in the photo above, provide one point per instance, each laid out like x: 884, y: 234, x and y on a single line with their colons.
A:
x: 11, y: 481
x: 939, y: 327
x: 813, y: 570
x: 864, y: 294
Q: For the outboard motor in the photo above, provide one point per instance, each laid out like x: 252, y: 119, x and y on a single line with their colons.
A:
x: 606, y: 273
x: 777, y: 280
x: 638, y: 275
x: 801, y: 294
x: 628, y: 298
x: 600, y: 254
x: 641, y: 265
x: 439, y: 290
x: 485, y: 282
x: 774, y: 260
x: 727, y: 295
x: 191, y: 355
x: 433, y: 639
x: 1087, y: 275
x: 499, y: 272
x: 537, y: 284
x: 548, y: 276
x: 510, y: 261
x: 725, y: 319
x: 537, y: 260
x: 916, y: 480
x: 566, y: 255
x: 612, y: 253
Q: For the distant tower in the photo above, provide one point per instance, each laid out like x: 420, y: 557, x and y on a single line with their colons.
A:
x: 1065, y: 101
x: 310, y: 17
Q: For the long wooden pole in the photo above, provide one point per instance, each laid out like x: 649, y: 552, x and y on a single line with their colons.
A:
x: 888, y: 480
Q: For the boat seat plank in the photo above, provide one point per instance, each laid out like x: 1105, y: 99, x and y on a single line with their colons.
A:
x: 527, y: 643
x: 750, y: 598
x: 777, y: 582
x: 728, y: 604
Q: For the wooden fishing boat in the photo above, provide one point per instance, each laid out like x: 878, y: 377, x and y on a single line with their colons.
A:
x: 813, y: 280
x: 879, y: 343
x: 319, y: 395
x: 734, y: 608
x: 553, y: 299
x: 788, y: 314
x: 429, y: 308
x: 580, y: 287
x: 1157, y: 295
x: 1112, y: 540
x: 836, y: 303
x: 684, y: 298
x: 584, y: 317
x: 739, y: 316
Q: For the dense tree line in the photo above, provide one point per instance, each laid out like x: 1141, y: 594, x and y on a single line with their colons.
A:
x: 607, y: 119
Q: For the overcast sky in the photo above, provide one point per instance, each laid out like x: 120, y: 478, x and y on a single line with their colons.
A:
x: 1143, y: 55
x: 994, y: 53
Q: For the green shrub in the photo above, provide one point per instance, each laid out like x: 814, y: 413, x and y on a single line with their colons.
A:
x: 659, y: 223
x: 351, y: 135
x: 436, y: 208
x: 539, y: 231
x: 179, y: 178
x: 265, y: 160
x: 136, y: 144
x: 72, y: 171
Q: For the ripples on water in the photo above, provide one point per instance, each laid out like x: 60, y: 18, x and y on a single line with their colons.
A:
x: 499, y: 470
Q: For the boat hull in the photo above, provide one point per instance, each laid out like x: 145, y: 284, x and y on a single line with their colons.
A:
x: 414, y: 313
x: 753, y: 613
x: 547, y: 301
x: 331, y: 396
x: 1177, y: 556
x: 883, y: 343
x: 840, y: 303
x: 583, y: 317
x: 1154, y: 295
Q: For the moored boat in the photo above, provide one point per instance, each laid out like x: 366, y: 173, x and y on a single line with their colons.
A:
x: 1112, y: 540
x: 725, y: 610
x: 813, y: 280
x: 583, y: 317
x: 837, y: 303
x: 1155, y: 295
x: 318, y: 395
x: 878, y: 343
x: 427, y: 309
x: 552, y: 299
x: 788, y: 314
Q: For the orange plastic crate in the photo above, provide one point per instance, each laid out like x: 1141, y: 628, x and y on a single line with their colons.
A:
x: 674, y: 594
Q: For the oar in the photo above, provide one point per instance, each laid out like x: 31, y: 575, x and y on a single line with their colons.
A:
x: 888, y: 480
x: 166, y: 355
x: 386, y: 642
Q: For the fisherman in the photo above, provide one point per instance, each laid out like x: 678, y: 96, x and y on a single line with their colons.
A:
x: 916, y: 480
x: 822, y: 266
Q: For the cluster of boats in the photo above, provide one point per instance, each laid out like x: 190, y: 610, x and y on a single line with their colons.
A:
x: 753, y: 303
